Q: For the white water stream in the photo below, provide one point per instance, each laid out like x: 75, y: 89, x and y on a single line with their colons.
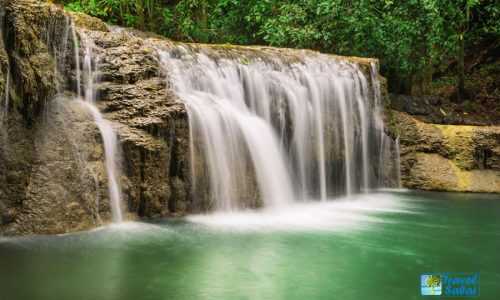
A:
x: 108, y: 134
x: 306, y: 129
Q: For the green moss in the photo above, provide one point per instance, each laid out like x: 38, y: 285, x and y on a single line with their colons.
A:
x: 458, y: 140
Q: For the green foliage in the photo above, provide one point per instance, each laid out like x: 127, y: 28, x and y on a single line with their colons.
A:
x: 413, y: 38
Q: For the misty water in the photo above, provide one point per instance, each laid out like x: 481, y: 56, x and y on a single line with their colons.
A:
x: 372, y: 246
x: 285, y: 129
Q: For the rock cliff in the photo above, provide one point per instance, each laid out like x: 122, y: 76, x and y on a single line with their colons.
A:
x: 462, y: 158
x: 52, y: 175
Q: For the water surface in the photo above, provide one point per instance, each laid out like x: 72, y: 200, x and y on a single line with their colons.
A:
x: 367, y: 247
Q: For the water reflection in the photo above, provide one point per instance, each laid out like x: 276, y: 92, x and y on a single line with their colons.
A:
x: 386, y: 247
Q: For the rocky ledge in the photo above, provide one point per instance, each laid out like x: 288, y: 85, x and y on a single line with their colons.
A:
x: 461, y: 158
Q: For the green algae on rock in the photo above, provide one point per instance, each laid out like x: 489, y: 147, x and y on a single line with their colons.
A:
x: 460, y: 158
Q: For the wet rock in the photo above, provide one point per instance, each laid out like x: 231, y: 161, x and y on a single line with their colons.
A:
x: 85, y: 21
x: 151, y: 123
x: 52, y: 177
x: 31, y: 34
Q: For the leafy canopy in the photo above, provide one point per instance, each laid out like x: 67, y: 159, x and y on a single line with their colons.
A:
x: 412, y: 38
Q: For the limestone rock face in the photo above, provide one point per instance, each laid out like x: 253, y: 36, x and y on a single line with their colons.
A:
x: 459, y: 158
x: 33, y: 160
x: 63, y: 189
x: 151, y: 123
x: 30, y: 35
x: 52, y: 174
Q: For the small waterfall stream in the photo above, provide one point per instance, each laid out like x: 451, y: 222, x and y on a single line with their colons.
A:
x: 109, y: 137
x: 397, y: 163
x: 293, y: 130
x: 5, y: 107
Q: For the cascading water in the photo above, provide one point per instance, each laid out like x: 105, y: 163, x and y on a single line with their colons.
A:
x: 301, y: 128
x: 397, y: 163
x: 109, y: 137
x: 219, y: 115
x: 5, y: 107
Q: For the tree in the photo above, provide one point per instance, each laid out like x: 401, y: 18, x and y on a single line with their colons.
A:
x: 461, y: 49
x: 413, y: 39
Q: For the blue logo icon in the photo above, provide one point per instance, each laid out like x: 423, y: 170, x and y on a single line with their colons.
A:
x: 431, y: 285
x: 450, y: 284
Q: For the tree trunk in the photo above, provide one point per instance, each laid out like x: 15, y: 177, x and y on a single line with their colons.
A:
x: 203, y: 19
x: 461, y: 57
x: 461, y: 70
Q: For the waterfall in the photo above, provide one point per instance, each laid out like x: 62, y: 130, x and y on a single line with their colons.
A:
x: 109, y: 137
x: 220, y: 117
x: 77, y: 60
x: 294, y: 129
x: 389, y: 168
x: 6, y: 96
x: 397, y: 154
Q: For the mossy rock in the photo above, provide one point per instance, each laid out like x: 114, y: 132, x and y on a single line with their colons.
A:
x: 448, y: 157
x: 88, y: 22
